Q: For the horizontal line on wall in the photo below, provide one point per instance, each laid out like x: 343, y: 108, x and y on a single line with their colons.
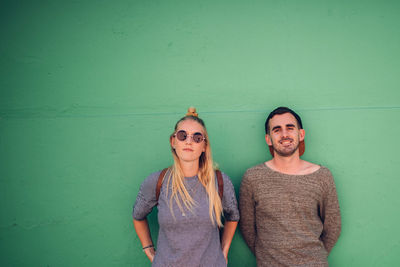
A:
x: 309, y: 109
x: 93, y: 112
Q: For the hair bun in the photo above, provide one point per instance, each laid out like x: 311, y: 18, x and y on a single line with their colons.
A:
x: 192, y: 112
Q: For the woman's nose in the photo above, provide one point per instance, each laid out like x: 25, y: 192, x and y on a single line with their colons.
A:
x: 189, y: 139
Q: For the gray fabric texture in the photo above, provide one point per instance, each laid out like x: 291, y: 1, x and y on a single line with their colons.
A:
x: 289, y: 220
x: 189, y: 239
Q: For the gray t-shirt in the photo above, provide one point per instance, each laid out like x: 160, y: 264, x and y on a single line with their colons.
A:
x: 189, y: 239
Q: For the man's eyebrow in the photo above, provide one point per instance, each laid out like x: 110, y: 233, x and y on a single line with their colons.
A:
x: 290, y: 125
x: 276, y: 127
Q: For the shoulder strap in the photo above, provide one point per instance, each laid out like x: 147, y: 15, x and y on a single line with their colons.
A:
x: 220, y: 184
x: 159, y: 183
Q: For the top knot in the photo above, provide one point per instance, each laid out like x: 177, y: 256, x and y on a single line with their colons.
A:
x: 192, y: 112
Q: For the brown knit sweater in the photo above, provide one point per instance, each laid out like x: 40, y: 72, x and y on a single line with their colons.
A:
x: 289, y: 220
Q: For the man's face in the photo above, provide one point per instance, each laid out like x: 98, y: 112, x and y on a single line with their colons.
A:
x: 284, y: 134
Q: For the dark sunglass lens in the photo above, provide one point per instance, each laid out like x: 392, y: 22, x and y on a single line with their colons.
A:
x: 181, y: 135
x: 197, y: 137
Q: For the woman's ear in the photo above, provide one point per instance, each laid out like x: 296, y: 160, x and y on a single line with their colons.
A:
x: 172, y: 141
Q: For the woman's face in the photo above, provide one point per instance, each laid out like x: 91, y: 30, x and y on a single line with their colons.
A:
x: 188, y: 150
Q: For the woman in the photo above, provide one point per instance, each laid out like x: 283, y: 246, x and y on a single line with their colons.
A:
x: 189, y: 206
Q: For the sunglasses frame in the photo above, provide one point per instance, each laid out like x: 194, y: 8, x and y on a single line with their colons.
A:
x: 189, y: 135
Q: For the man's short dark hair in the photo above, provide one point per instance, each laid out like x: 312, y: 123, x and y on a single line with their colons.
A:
x: 279, y: 111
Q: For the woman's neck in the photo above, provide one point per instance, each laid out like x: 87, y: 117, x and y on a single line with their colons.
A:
x: 190, y: 169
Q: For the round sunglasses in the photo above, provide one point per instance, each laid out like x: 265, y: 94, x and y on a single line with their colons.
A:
x: 196, y: 137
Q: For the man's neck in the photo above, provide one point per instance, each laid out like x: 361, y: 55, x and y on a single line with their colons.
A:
x: 289, y: 165
x: 292, y: 165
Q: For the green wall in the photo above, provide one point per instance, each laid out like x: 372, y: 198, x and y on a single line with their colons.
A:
x: 90, y: 91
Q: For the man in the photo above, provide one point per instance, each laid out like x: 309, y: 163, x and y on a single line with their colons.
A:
x: 288, y: 207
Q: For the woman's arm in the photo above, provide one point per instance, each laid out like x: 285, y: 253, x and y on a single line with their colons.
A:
x: 227, y: 236
x: 143, y: 232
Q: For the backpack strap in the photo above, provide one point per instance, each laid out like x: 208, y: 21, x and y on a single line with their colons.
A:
x: 159, y: 183
x: 220, y: 184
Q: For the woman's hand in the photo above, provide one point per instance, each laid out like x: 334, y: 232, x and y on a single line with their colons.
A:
x: 225, y: 256
x: 150, y: 253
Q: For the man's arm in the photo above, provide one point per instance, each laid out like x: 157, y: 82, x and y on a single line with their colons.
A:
x: 247, y: 222
x: 331, y: 217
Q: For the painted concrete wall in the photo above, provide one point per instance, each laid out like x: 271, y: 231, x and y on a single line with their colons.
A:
x: 90, y: 91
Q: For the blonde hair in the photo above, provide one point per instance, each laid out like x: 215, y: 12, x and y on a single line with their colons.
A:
x: 206, y: 175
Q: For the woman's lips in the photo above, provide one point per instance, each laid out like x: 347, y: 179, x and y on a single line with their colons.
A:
x: 188, y: 149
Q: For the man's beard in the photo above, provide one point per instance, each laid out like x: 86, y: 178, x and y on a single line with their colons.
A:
x: 286, y: 152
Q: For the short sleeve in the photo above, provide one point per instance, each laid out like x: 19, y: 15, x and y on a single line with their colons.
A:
x: 146, y: 198
x: 229, y: 202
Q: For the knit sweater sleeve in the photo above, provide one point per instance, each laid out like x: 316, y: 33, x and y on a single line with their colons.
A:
x: 330, y: 214
x: 247, y: 212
